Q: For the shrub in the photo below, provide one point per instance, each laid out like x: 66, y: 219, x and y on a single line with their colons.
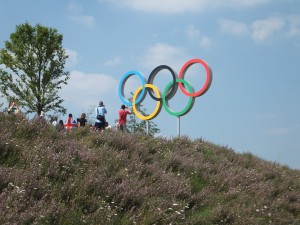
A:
x: 111, y: 177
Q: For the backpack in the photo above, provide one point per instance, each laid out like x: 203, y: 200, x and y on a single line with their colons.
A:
x: 100, y: 117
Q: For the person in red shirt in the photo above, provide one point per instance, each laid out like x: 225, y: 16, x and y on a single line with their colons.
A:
x: 70, y: 124
x: 123, y: 112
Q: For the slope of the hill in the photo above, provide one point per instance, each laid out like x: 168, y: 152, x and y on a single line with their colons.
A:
x: 111, y: 177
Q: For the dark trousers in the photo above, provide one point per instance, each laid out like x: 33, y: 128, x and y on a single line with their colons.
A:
x: 99, y: 125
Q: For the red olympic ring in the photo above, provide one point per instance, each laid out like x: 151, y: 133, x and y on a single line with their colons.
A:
x: 207, y: 82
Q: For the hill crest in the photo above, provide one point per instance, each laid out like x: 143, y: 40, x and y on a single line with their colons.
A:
x: 81, y: 177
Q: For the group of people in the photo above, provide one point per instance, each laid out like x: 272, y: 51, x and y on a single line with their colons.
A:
x: 81, y: 122
x: 100, y: 121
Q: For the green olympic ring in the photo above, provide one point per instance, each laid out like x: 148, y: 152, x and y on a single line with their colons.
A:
x: 189, y: 105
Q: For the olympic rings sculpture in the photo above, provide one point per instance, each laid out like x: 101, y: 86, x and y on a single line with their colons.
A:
x: 169, y: 91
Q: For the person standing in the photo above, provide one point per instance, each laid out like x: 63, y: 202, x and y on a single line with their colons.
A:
x: 69, y: 123
x: 82, y: 120
x: 54, y: 121
x: 12, y: 108
x: 42, y: 118
x: 61, y: 125
x: 100, y: 116
x: 123, y: 112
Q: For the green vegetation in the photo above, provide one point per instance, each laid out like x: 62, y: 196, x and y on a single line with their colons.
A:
x: 34, y: 60
x: 135, y: 125
x: 112, y: 177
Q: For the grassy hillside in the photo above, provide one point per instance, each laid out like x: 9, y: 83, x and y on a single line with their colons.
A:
x: 81, y: 177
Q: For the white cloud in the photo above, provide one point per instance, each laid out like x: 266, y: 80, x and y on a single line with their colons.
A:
x: 76, y: 14
x: 206, y: 42
x: 74, y: 8
x: 84, y: 20
x: 294, y: 26
x: 180, y: 6
x: 166, y: 6
x: 114, y: 62
x: 194, y: 34
x: 233, y: 27
x: 85, y: 89
x: 247, y: 3
x: 161, y: 53
x: 264, y: 29
x: 72, y: 59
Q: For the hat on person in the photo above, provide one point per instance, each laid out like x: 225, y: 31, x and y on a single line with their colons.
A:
x: 101, y: 103
x: 123, y: 106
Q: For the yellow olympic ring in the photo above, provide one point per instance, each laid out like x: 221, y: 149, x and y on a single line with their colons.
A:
x: 158, y: 105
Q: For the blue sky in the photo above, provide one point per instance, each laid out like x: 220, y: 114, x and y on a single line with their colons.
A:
x: 252, y: 47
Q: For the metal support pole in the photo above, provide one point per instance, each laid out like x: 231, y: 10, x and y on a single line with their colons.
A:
x: 147, y: 126
x: 178, y: 126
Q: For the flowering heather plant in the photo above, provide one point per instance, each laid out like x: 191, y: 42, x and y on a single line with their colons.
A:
x: 111, y: 177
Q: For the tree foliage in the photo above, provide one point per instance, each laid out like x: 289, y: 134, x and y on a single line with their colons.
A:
x: 135, y: 125
x: 34, y: 59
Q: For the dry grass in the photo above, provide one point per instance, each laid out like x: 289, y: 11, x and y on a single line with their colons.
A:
x: 47, y: 177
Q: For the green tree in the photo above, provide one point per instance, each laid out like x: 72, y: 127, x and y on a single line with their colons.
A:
x: 34, y: 59
x: 135, y: 125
